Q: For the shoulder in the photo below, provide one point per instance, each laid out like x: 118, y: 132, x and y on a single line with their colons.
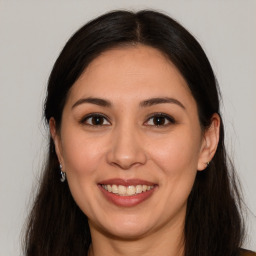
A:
x: 244, y: 252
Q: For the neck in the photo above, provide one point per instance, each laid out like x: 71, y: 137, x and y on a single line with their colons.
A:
x: 166, y: 241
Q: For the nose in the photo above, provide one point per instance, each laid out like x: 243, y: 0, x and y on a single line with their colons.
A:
x: 126, y: 149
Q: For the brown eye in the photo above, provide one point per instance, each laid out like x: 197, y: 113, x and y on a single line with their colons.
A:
x: 96, y: 120
x: 160, y: 120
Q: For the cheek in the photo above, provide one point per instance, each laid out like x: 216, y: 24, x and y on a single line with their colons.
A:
x: 176, y: 160
x: 177, y: 153
x: 81, y: 154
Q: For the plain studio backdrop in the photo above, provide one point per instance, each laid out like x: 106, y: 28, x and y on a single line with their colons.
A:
x: 32, y: 33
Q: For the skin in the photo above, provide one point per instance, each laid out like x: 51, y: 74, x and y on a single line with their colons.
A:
x: 128, y: 145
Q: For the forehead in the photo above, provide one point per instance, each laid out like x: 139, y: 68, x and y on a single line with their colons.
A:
x: 133, y: 54
x: 131, y: 71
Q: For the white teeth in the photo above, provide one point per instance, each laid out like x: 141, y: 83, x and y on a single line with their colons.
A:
x: 121, y: 190
x: 131, y: 190
x: 138, y: 189
x: 115, y: 189
x: 109, y: 188
x: 126, y: 191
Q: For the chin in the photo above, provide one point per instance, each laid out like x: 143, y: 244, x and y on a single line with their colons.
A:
x: 131, y: 233
x: 124, y: 229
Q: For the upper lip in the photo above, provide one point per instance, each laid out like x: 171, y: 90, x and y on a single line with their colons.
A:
x: 126, y: 182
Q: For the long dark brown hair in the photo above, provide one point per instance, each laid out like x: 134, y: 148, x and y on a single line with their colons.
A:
x: 213, y: 225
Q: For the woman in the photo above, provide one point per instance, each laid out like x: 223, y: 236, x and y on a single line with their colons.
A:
x: 137, y: 162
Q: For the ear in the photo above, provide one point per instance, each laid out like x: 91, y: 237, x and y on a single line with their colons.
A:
x: 209, y: 143
x: 56, y: 139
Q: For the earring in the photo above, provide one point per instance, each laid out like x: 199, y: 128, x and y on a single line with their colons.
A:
x: 63, y: 174
x: 207, y: 164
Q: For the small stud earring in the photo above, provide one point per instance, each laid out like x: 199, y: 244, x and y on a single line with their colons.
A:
x: 63, y: 174
x: 207, y: 164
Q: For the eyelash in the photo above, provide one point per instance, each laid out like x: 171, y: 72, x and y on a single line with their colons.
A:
x: 168, y: 120
x: 95, y: 115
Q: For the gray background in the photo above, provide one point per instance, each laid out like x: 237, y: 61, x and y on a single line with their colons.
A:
x: 32, y: 33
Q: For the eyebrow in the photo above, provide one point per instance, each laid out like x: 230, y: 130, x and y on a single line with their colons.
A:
x: 145, y: 103
x: 96, y: 101
x: 155, y: 101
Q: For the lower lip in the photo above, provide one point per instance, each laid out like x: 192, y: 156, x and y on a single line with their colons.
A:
x: 127, y: 201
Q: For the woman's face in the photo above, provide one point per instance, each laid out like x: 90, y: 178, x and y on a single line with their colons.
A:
x: 130, y: 142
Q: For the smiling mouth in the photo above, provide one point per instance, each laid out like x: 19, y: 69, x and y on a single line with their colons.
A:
x: 131, y: 190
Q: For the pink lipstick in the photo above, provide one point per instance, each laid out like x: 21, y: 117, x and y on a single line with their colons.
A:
x: 127, y: 193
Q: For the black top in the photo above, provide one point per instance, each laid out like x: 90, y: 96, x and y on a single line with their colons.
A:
x: 247, y: 253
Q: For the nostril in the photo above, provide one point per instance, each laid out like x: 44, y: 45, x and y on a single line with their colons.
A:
x: 126, y: 162
x: 126, y: 149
